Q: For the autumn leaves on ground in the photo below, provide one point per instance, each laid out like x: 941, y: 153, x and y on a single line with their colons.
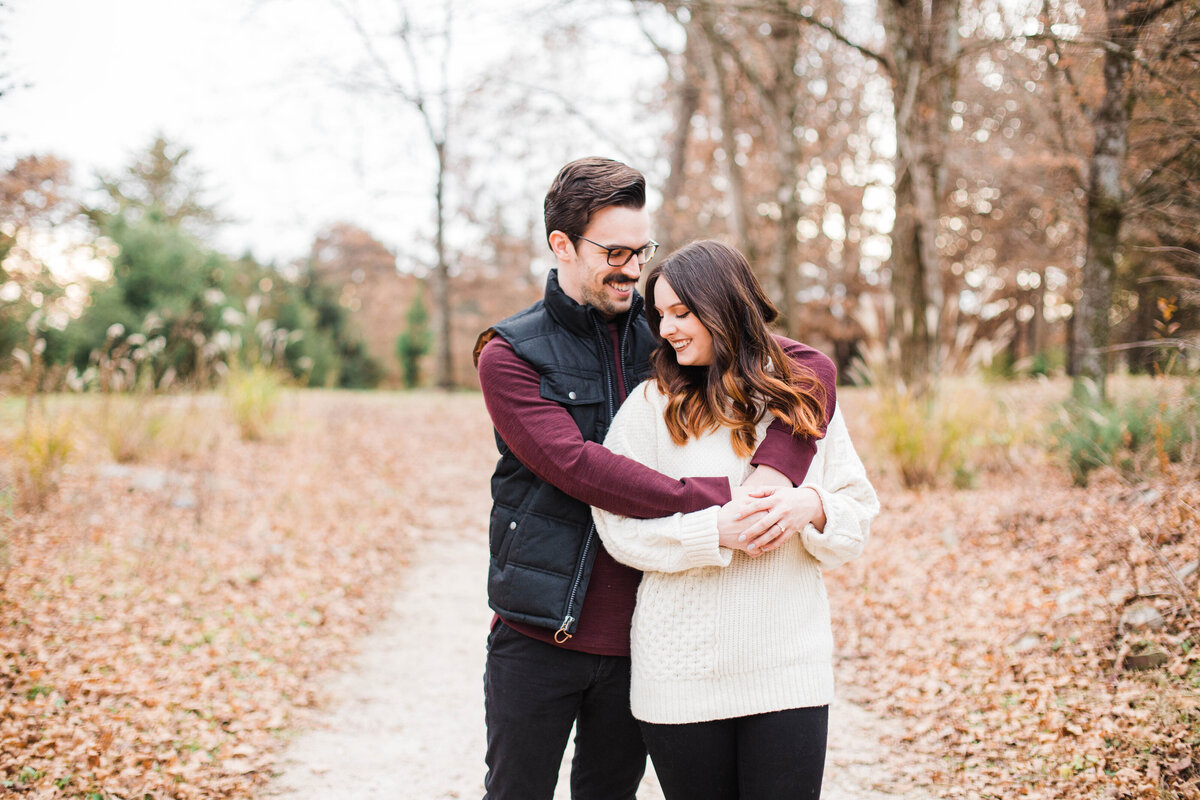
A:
x: 164, y: 615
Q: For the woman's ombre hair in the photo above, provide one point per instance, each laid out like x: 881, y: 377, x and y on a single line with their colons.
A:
x: 749, y: 368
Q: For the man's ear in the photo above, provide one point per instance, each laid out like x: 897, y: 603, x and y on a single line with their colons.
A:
x: 562, y: 246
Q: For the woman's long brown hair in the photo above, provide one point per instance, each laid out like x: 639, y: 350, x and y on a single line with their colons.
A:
x: 749, y: 367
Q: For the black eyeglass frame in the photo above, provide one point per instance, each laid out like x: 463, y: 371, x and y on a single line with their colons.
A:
x: 651, y: 245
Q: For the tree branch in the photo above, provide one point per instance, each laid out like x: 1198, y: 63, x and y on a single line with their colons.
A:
x: 1138, y: 17
x: 709, y: 28
x: 808, y: 19
x: 1114, y: 47
x: 1151, y: 172
x: 1170, y: 278
x: 380, y: 63
x: 666, y: 54
x: 619, y: 145
x: 1182, y: 344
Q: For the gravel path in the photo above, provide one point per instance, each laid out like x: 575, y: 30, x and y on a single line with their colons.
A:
x: 406, y: 720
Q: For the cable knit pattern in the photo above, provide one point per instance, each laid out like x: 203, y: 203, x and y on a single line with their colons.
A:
x: 718, y: 634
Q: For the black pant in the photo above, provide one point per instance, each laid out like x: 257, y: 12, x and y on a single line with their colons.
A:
x: 533, y: 692
x: 776, y: 756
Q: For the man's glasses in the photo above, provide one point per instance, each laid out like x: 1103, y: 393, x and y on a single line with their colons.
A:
x: 619, y: 256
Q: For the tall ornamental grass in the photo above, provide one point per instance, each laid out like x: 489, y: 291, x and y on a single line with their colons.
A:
x: 252, y: 396
x: 955, y: 431
x: 37, y: 455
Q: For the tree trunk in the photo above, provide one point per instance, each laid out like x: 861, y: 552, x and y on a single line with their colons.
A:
x: 739, y: 218
x: 1037, y: 325
x: 441, y: 279
x: 786, y: 103
x: 908, y: 285
x: 923, y: 42
x: 1029, y: 336
x: 688, y: 81
x: 1144, y: 360
x: 1105, y: 207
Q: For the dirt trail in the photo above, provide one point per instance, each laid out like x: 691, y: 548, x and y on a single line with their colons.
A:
x: 405, y: 722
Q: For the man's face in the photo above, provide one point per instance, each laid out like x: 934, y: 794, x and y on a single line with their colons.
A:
x: 583, y: 269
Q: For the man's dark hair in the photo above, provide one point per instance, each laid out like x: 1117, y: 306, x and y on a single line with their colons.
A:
x: 586, y: 186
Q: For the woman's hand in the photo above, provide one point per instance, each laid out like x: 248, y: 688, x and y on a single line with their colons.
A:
x: 782, y: 510
x: 779, y: 514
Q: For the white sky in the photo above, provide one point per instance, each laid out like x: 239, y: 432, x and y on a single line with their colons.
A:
x: 248, y: 86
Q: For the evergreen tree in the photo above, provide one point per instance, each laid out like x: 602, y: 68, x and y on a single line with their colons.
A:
x: 165, y: 285
x: 415, y: 341
x: 161, y: 181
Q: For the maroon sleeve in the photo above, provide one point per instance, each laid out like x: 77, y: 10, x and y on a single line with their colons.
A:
x: 543, y: 436
x: 781, y: 449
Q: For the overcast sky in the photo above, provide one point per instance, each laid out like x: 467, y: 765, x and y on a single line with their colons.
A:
x: 248, y: 85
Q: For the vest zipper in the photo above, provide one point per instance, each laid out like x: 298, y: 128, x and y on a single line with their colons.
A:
x: 634, y: 308
x: 608, y: 373
x: 561, y: 634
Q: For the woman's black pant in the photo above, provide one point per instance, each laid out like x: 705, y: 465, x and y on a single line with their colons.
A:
x: 775, y: 756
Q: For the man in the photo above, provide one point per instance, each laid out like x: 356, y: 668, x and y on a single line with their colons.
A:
x: 553, y: 376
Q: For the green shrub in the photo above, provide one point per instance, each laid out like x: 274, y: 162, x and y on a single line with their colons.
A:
x: 414, y: 341
x: 1135, y: 434
x: 1046, y: 362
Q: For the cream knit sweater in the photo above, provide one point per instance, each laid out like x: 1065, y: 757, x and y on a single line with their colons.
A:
x: 718, y: 634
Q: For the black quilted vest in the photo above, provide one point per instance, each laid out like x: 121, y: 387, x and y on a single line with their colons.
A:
x: 543, y: 543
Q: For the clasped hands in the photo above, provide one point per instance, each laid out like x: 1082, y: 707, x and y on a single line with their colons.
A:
x: 766, y: 511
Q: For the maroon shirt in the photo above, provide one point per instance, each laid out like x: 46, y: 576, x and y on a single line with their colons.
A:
x: 542, y: 435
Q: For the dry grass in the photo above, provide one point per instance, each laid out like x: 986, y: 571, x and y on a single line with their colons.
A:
x: 252, y: 395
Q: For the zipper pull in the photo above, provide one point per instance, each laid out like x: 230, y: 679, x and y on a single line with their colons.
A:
x: 562, y: 631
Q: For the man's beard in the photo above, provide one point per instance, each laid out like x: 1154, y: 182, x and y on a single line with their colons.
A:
x: 603, y: 302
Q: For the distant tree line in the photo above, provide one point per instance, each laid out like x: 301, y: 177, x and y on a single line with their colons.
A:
x: 923, y: 187
x: 172, y: 309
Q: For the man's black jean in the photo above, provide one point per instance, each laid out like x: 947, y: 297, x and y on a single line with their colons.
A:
x: 533, y: 693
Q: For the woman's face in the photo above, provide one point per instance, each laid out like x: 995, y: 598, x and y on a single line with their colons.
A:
x: 681, y: 328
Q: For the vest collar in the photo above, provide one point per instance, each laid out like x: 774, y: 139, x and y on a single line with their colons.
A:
x: 578, y: 318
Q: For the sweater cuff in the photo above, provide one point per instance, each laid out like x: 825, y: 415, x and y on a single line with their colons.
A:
x: 698, y: 535
x: 840, y: 541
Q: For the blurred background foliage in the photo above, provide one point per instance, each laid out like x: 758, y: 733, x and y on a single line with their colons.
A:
x: 929, y: 192
x: 172, y: 305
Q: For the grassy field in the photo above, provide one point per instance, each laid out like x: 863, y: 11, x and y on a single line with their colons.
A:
x: 171, y: 603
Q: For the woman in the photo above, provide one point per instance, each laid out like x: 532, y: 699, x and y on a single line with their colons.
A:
x: 732, y: 653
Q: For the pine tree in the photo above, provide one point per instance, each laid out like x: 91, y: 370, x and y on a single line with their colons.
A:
x: 415, y: 341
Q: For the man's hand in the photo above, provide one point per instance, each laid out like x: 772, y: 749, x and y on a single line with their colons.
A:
x: 737, y: 517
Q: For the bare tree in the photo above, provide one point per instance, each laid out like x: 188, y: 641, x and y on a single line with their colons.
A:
x: 433, y: 105
x: 771, y: 73
x: 1127, y: 24
x: 685, y: 76
x: 919, y: 58
x: 922, y: 44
